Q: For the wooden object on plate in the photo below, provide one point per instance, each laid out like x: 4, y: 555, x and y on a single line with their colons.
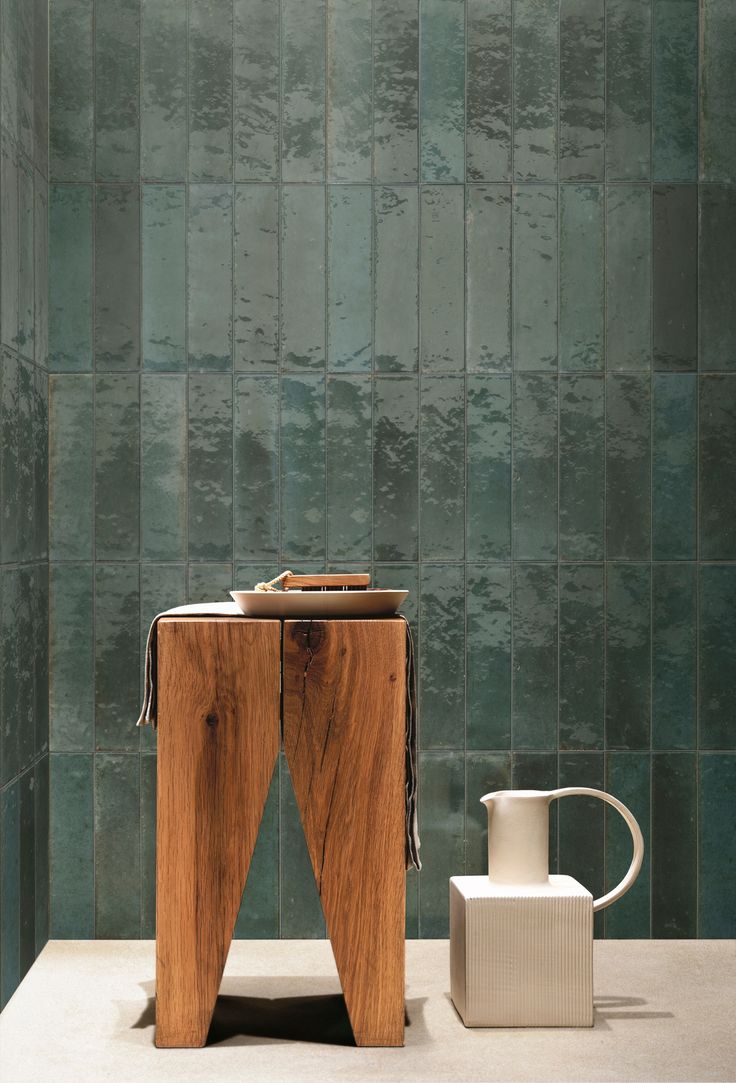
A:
x: 348, y: 581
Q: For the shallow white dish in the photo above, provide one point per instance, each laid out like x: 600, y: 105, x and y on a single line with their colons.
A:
x: 373, y: 602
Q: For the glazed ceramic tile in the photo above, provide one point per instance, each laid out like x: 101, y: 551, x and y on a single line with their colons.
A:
x: 116, y: 657
x: 716, y: 655
x: 349, y: 115
x: 117, y: 57
x: 148, y: 847
x: 9, y: 73
x: 395, y: 90
x: 534, y: 466
x: 256, y: 278
x: 349, y: 278
x: 534, y: 284
x: 210, y: 501
x: 485, y: 772
x: 441, y: 657
x: 674, y: 645
x: 716, y: 278
x: 581, y: 822
x: 303, y: 277
x: 582, y: 467
x: 71, y: 91
x: 26, y: 261
x: 675, y: 90
x: 301, y: 912
x: 628, y: 278
x: 71, y: 658
x: 259, y: 911
x: 674, y: 276
x: 163, y: 483
x: 71, y: 466
x: 674, y: 845
x: 10, y: 585
x: 442, y: 472
x: 70, y: 278
x: 717, y: 468
x: 41, y: 845
x: 117, y: 847
x: 582, y: 647
x: 163, y: 267
x: 488, y: 468
x: 27, y: 878
x: 256, y: 467
x: 9, y: 253
x: 210, y: 83
x: 628, y: 89
x: 71, y: 831
x: 396, y: 248
x: 442, y: 827
x: 488, y: 90
x: 256, y: 92
x: 441, y: 312
x: 581, y: 297
x: 628, y: 778
x: 534, y: 656
x: 674, y: 480
x: 209, y: 582
x: 303, y: 525
x: 163, y: 119
x: 628, y: 465
x: 209, y: 277
x: 535, y: 74
x: 442, y: 89
x: 117, y: 277
x: 349, y: 474
x: 303, y: 90
x: 488, y: 658
x: 582, y: 89
x: 716, y: 880
x: 9, y: 892
x: 117, y: 466
x: 395, y: 468
x: 41, y: 270
x: 488, y: 278
x: 717, y: 124
x: 628, y: 669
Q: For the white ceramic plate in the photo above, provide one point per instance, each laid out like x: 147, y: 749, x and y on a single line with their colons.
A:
x: 373, y: 602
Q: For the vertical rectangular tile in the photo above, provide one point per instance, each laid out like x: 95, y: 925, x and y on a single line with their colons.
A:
x: 116, y: 657
x: 582, y: 89
x: 40, y: 463
x: 70, y: 278
x: 716, y: 846
x: 395, y: 90
x: 41, y: 270
x: 628, y: 778
x: 716, y: 655
x: 302, y: 277
x: 303, y: 524
x: 628, y: 274
x: 349, y: 113
x: 674, y: 645
x: 581, y: 277
x: 396, y: 247
x: 259, y: 910
x: 117, y: 78
x: 117, y: 278
x: 163, y: 421
x: 303, y: 90
x: 71, y: 854
x: 210, y: 90
x: 24, y: 635
x: 117, y: 847
x: 163, y: 319
x: 717, y: 278
x: 349, y: 279
x: 441, y: 656
x: 71, y: 658
x: 488, y: 90
x: 71, y: 466
x: 9, y: 892
x: 117, y: 466
x: 628, y: 669
x: 10, y: 615
x: 581, y: 656
x: 717, y: 482
x: 256, y: 278
x: 395, y: 468
x: 210, y: 277
x: 9, y: 252
x: 9, y: 74
x: 488, y: 278
x: 301, y: 912
x: 674, y: 480
x: 349, y: 442
x: 210, y: 467
x: 208, y: 582
x: 441, y: 311
x: 41, y: 796
x: 581, y: 821
x: 582, y: 467
x: 675, y: 90
x: 39, y: 678
x: 536, y: 62
x: 10, y: 468
x: 442, y: 89
x: 488, y: 656
x: 41, y: 88
x: 148, y: 847
x: 26, y: 291
x: 163, y: 90
x: 27, y: 878
x: 442, y: 829
x: 485, y: 772
x: 675, y: 276
x: 26, y: 78
x: 628, y: 89
x: 256, y: 94
x: 71, y: 64
x: 534, y: 465
x: 442, y: 472
x: 256, y: 467
x: 534, y: 286
x: 674, y: 845
x: 488, y: 468
x: 534, y: 657
x: 628, y: 457
x: 717, y: 123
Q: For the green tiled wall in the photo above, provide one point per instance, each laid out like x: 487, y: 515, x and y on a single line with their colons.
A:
x: 24, y: 569
x: 441, y: 289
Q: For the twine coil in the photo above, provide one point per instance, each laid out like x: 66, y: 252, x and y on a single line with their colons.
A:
x: 270, y: 585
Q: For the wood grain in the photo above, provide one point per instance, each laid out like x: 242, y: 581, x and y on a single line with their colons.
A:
x: 330, y: 581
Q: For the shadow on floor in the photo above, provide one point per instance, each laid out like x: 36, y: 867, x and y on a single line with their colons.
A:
x: 606, y: 1008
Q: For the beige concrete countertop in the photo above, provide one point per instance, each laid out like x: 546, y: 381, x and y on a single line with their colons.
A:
x: 664, y: 1011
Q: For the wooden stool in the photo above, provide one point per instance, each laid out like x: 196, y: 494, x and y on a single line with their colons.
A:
x: 336, y: 690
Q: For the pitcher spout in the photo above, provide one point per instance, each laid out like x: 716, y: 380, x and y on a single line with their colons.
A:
x: 518, y: 836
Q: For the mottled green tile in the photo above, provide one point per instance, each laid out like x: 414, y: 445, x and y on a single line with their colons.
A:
x: 163, y: 317
x: 718, y: 100
x: 442, y: 468
x: 442, y: 830
x: 40, y: 612
x: 628, y: 778
x: 41, y: 463
x: 395, y: 468
x: 163, y: 421
x: 674, y: 845
x: 538, y: 771
x: 26, y: 445
x: 303, y: 42
x: 27, y: 878
x: 582, y: 89
x: 717, y: 466
x: 488, y: 278
x: 117, y: 277
x: 717, y: 278
x: 256, y: 278
x: 581, y: 277
x: 71, y: 854
x: 628, y: 458
x: 404, y: 576
x: 256, y: 28
x: 396, y: 316
x: 485, y: 772
x: 395, y: 90
x: 628, y: 89
x: 26, y: 238
x: 716, y: 655
x: 488, y: 468
x: 441, y: 657
x: 411, y: 924
x: 71, y: 658
x: 71, y: 467
x: 349, y: 115
x: 303, y: 525
x: 162, y: 587
x: 303, y: 277
x: 163, y: 90
x: 488, y: 90
x: 488, y: 655
x: 209, y: 582
x: 41, y: 270
x: 9, y: 892
x: 117, y: 847
x: 581, y: 668
x: 535, y: 82
x: 9, y: 672
x: 70, y: 278
x: 117, y: 78
x: 117, y: 466
x: 210, y: 467
x: 674, y: 645
x: 210, y: 81
x: 581, y: 466
x: 348, y: 438
x: 534, y: 285
x: 675, y: 276
x: 256, y: 467
x: 628, y: 666
x: 441, y: 307
x: 534, y: 446
x: 148, y: 847
x: 9, y: 74
x: 301, y: 912
x: 259, y: 909
x: 628, y: 278
x: 675, y: 90
x: 24, y: 696
x: 534, y: 656
x: 349, y: 278
x: 41, y: 797
x: 674, y: 438
x: 9, y: 251
x: 9, y: 457
x: 71, y: 64
x: 116, y: 657
x: 26, y: 78
x: 41, y: 89
x: 581, y: 824
x: 210, y: 276
x: 716, y: 846
x: 442, y: 89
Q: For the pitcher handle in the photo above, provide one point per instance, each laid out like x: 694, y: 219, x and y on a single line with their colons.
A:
x: 636, y: 835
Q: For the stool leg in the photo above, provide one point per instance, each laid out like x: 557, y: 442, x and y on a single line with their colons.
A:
x: 218, y: 738
x: 344, y: 738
